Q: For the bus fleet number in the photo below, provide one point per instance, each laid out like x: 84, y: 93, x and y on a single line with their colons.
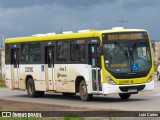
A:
x: 28, y: 69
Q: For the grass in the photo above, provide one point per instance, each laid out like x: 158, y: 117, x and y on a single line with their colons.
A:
x: 114, y: 118
x: 2, y: 83
x: 73, y: 117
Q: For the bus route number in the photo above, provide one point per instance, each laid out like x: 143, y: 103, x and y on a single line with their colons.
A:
x: 28, y: 69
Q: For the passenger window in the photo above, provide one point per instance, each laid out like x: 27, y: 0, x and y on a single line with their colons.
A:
x: 62, y: 51
x: 78, y: 50
x: 24, y: 52
x: 30, y: 52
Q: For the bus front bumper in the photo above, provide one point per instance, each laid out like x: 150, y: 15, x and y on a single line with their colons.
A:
x: 134, y: 88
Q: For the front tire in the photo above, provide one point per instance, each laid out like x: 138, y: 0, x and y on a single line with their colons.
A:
x: 83, y: 92
x: 125, y: 95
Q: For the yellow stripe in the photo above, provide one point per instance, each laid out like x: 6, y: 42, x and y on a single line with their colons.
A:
x: 52, y: 37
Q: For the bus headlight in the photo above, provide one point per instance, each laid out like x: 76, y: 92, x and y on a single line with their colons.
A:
x: 150, y: 79
x: 110, y: 81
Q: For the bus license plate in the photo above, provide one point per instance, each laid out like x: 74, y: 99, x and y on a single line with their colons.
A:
x: 132, y: 90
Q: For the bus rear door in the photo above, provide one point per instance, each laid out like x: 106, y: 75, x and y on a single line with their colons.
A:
x: 49, y: 71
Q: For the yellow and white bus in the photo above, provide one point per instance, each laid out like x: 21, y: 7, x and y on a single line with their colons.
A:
x: 87, y: 62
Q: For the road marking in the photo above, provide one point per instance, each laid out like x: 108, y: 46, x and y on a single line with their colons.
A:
x: 157, y: 94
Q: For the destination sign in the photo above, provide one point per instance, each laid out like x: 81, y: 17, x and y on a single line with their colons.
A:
x: 126, y: 36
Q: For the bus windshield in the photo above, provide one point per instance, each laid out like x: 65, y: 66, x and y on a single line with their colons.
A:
x: 127, y: 56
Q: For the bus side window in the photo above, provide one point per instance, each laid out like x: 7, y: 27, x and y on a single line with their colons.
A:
x: 77, y: 52
x: 62, y: 50
x: 30, y: 52
x: 24, y: 52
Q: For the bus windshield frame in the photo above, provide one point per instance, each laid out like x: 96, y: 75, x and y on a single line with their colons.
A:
x: 128, y: 56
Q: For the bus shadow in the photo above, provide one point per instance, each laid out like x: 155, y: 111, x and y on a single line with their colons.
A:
x: 96, y: 99
x: 61, y: 97
x: 109, y: 99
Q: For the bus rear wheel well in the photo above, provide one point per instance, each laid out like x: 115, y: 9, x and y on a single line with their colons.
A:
x: 27, y: 78
x: 77, y: 83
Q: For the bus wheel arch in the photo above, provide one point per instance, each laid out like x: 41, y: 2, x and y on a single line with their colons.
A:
x: 77, y: 83
x: 30, y: 86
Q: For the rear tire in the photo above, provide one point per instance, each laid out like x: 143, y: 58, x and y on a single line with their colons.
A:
x: 125, y: 95
x: 83, y: 92
x: 31, y: 88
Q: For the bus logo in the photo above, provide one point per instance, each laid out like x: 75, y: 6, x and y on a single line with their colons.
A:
x: 61, y: 75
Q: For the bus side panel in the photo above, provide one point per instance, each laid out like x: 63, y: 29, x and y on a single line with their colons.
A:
x: 66, y: 74
x: 7, y: 76
x: 35, y: 71
x: 22, y: 77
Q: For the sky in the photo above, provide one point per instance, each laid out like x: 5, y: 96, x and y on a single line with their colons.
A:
x: 28, y: 17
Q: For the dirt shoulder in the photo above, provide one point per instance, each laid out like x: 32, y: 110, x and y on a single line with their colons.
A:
x: 9, y: 105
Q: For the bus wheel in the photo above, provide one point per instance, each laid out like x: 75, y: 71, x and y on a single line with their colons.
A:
x: 125, y: 95
x: 83, y: 92
x: 68, y: 94
x: 31, y: 88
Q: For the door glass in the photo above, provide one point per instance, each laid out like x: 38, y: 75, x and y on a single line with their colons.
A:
x: 93, y: 56
x: 15, y: 59
x: 49, y: 58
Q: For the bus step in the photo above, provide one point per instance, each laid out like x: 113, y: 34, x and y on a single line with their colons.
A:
x: 97, y: 92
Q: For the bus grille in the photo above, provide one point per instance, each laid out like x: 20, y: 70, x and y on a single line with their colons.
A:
x: 126, y: 88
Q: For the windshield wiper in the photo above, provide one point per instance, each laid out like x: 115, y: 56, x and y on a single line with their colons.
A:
x: 125, y: 51
x: 132, y: 51
x: 131, y: 54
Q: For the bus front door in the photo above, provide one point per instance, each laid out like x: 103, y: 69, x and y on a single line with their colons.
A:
x: 96, y: 71
x: 15, y: 68
x: 49, y: 71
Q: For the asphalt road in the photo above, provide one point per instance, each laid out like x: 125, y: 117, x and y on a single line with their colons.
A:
x: 145, y: 101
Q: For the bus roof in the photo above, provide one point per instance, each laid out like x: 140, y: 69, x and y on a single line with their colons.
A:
x: 69, y: 35
x: 122, y: 30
